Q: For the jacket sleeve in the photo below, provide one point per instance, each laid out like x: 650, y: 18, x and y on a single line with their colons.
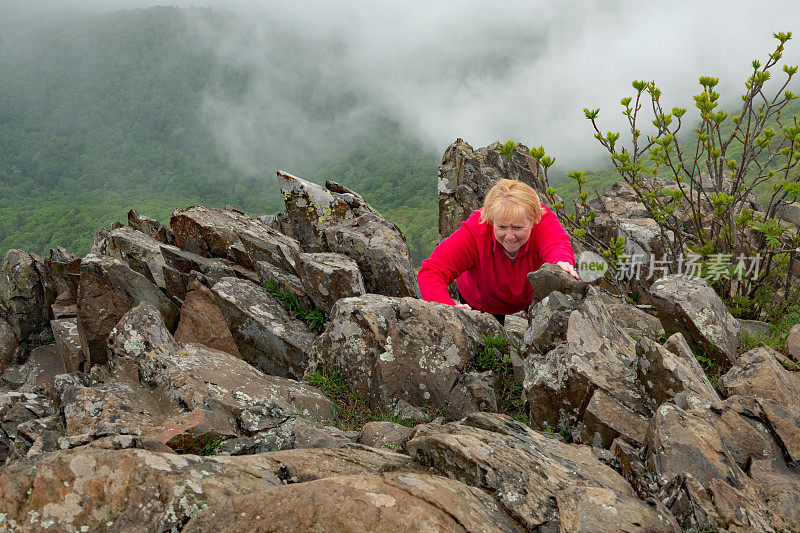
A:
x: 454, y: 255
x: 551, y: 241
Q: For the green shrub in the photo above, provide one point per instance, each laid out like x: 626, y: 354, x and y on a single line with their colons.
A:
x: 314, y: 318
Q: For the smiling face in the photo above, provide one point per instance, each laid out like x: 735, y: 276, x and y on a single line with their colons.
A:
x: 512, y: 235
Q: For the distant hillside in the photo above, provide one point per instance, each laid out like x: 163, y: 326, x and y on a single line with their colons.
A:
x: 100, y: 114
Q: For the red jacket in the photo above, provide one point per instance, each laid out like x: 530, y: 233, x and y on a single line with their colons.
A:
x: 487, y: 279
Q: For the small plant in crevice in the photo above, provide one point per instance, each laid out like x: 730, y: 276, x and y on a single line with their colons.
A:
x: 352, y: 410
x: 204, y: 445
x: 314, y: 318
x: 495, y: 355
x: 711, y: 366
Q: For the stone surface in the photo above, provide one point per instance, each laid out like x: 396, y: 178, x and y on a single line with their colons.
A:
x: 636, y: 322
x: 668, y: 370
x: 758, y: 373
x: 141, y: 252
x: 329, y: 277
x: 134, y: 489
x: 386, y: 502
x: 380, y: 250
x: 551, y: 278
x: 16, y: 410
x: 108, y: 289
x: 793, y: 342
x: 605, y: 419
x: 687, y: 305
x: 596, y: 354
x: 68, y: 341
x: 196, y: 377
x: 532, y: 476
x: 8, y: 345
x: 403, y: 348
x: 202, y: 321
x: 150, y: 227
x: 466, y: 175
x: 384, y: 435
x: 211, y: 232
x: 22, y: 299
x: 265, y: 334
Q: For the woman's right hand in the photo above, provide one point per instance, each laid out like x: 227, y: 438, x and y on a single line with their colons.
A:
x: 464, y: 306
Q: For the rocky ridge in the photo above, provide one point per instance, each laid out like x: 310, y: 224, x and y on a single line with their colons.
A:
x: 163, y: 383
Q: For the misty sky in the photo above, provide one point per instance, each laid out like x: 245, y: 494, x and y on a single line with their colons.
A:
x: 479, y: 70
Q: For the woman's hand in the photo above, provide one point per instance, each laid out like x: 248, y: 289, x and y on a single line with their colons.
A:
x: 463, y: 306
x: 569, y: 269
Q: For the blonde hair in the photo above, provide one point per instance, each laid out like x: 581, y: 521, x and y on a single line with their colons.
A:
x: 511, y: 200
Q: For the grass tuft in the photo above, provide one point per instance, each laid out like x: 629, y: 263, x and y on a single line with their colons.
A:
x: 314, y: 318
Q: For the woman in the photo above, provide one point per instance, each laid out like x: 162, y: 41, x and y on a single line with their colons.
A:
x: 492, y: 252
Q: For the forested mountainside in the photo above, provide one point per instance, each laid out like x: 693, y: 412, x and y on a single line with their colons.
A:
x: 101, y: 113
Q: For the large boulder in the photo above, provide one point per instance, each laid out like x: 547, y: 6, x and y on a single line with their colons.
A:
x: 335, y: 219
x: 139, y: 251
x: 687, y: 305
x: 758, y: 373
x: 68, y: 342
x: 391, y: 349
x: 539, y: 480
x: 150, y: 227
x: 108, y: 289
x: 212, y: 232
x: 577, y: 356
x: 197, y: 377
x: 135, y: 489
x: 266, y: 335
x: 386, y: 502
x: 22, y: 298
x: 202, y: 321
x: 329, y: 277
x: 466, y: 175
x: 8, y: 345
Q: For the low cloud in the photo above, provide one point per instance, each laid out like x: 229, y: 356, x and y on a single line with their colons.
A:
x: 319, y: 74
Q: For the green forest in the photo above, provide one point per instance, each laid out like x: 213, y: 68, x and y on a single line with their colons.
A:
x: 99, y: 114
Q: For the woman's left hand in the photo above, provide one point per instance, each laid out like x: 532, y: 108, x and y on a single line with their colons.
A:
x: 569, y: 269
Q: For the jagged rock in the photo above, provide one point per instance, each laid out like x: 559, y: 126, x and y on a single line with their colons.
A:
x: 403, y: 348
x: 380, y: 250
x: 387, y: 502
x: 793, y: 342
x: 198, y: 377
x: 150, y: 227
x: 187, y: 262
x: 202, y: 322
x: 404, y: 410
x: 466, y: 175
x: 535, y: 478
x: 274, y: 248
x: 605, y: 419
x: 337, y: 220
x: 22, y: 299
x: 265, y: 334
x: 684, y: 441
x: 269, y: 273
x: 687, y: 305
x: 42, y: 366
x: 595, y: 355
x: 758, y: 373
x: 290, y: 433
x: 17, y: 409
x: 108, y: 289
x: 666, y: 371
x: 636, y: 322
x: 329, y: 277
x: 717, y: 506
x: 8, y: 345
x: 141, y: 252
x: 211, y: 232
x: 789, y: 212
x: 137, y: 489
x: 384, y: 435
x: 549, y: 321
x: 68, y: 342
x: 312, y: 209
x: 551, y: 278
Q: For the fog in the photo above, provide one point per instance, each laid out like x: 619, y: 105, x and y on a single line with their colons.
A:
x: 482, y: 71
